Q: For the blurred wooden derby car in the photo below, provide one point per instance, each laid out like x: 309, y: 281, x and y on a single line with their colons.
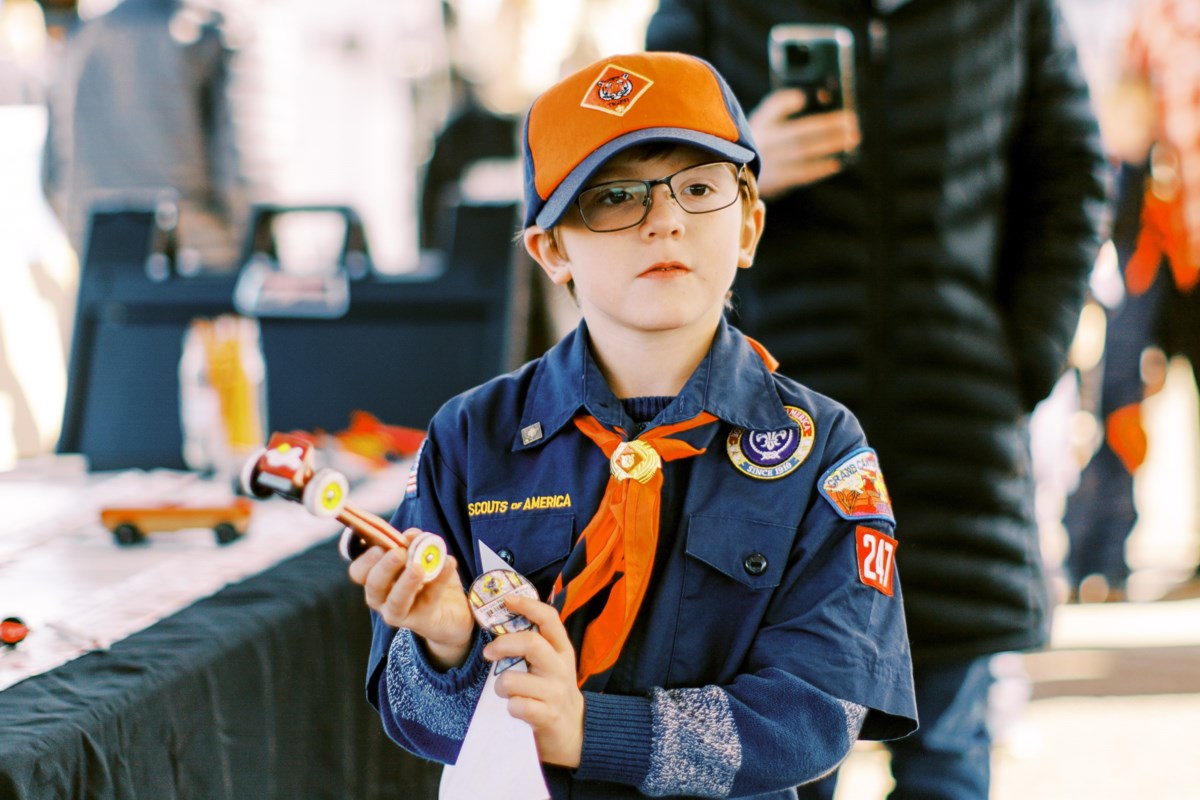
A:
x: 130, y: 525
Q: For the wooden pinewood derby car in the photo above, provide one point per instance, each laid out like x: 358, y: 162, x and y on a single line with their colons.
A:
x: 285, y: 468
x: 130, y: 525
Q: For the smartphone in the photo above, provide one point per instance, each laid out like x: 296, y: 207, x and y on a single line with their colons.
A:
x: 816, y: 58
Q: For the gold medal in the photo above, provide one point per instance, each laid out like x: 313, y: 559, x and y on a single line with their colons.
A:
x: 635, y: 459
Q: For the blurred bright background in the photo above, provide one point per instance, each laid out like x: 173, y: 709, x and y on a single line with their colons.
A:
x: 343, y: 102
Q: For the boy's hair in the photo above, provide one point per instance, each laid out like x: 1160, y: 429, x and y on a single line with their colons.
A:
x: 603, y: 109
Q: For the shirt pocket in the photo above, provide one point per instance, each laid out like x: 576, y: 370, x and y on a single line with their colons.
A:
x: 537, y: 545
x: 732, y: 568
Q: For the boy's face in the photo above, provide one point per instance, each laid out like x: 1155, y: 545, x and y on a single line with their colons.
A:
x: 670, y: 272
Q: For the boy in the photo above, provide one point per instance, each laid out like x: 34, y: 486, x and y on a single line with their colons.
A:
x: 727, y: 620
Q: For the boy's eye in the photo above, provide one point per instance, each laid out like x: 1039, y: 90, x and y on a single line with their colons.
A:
x: 698, y: 189
x: 614, y: 196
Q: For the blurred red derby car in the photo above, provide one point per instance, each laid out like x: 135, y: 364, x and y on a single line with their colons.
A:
x: 285, y: 467
x: 130, y: 525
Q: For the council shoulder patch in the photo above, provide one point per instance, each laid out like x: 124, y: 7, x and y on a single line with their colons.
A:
x: 615, y: 90
x: 768, y: 455
x: 855, y: 487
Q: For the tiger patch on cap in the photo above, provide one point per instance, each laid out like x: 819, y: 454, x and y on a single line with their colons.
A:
x: 616, y: 90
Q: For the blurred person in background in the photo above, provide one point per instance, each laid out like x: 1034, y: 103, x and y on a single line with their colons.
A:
x: 38, y: 270
x: 140, y: 105
x: 926, y: 264
x: 502, y: 54
x: 484, y: 117
x: 1151, y: 121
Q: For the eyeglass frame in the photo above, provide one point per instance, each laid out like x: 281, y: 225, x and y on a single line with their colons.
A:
x: 664, y: 181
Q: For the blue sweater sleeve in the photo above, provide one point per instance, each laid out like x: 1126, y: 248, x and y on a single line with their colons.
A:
x: 695, y: 741
x: 424, y: 710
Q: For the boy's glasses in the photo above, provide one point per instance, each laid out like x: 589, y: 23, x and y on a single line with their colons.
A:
x: 616, y: 205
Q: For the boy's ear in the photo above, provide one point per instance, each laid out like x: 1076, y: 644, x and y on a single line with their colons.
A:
x: 752, y: 227
x: 546, y: 250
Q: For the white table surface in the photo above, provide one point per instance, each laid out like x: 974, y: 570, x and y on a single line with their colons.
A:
x: 62, y: 573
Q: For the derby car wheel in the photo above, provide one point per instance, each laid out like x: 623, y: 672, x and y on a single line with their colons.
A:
x: 226, y: 533
x: 427, y: 552
x: 128, y: 534
x: 247, y: 480
x: 351, y: 545
x: 325, y: 493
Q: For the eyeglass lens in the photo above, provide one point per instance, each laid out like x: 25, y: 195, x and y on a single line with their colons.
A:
x: 700, y: 189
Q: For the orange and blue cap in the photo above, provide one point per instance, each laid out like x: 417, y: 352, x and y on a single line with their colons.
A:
x: 588, y: 117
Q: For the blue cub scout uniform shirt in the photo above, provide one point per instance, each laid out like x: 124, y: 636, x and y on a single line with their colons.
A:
x: 768, y: 615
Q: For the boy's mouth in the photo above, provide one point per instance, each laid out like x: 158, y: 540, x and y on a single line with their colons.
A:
x: 663, y: 269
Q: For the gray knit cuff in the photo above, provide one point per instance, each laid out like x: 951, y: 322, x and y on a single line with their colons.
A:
x: 418, y: 691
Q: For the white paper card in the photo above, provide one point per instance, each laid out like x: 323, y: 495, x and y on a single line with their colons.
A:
x: 499, y: 757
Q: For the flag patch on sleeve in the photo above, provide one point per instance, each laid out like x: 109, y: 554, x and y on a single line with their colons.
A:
x: 410, y: 486
x: 876, y: 558
x: 855, y: 488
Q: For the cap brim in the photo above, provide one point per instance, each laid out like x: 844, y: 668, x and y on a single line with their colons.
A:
x: 562, y: 197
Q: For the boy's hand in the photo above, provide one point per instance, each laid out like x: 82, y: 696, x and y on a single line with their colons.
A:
x: 546, y: 696
x: 437, y: 611
x: 802, y: 150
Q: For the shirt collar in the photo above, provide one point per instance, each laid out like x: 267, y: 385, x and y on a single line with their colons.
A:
x: 732, y: 383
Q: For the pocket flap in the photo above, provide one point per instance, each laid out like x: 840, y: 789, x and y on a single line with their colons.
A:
x: 533, y: 541
x: 752, y: 553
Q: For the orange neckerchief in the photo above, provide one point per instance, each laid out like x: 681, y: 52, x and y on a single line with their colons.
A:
x: 619, y: 543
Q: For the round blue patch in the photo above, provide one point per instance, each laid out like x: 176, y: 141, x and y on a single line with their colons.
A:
x: 772, y: 454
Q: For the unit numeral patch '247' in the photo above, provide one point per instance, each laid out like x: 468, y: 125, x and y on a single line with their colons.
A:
x: 876, y: 558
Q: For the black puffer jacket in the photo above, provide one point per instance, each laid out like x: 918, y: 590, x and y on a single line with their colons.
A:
x: 933, y: 286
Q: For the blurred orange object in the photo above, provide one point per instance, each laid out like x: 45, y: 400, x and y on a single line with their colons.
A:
x: 1126, y: 437
x: 13, y: 631
x: 370, y: 438
x: 1163, y: 234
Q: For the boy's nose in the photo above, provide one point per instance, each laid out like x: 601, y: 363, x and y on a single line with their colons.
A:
x: 663, y: 206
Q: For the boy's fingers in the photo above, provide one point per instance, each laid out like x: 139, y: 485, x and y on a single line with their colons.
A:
x: 545, y: 617
x: 448, y: 577
x: 517, y: 683
x: 528, y: 645
x: 362, y: 565
x: 382, y: 578
x: 408, y: 534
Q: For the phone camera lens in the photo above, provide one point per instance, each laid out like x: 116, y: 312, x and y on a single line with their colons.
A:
x: 798, y: 55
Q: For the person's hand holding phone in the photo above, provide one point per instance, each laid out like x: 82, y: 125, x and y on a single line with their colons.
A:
x: 799, y: 149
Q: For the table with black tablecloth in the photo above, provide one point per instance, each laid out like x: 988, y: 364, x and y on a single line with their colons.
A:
x: 255, y: 692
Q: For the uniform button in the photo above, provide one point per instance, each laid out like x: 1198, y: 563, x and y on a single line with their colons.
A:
x: 507, y: 555
x: 755, y: 564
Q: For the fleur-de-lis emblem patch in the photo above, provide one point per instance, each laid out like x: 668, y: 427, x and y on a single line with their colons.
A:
x: 772, y: 454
